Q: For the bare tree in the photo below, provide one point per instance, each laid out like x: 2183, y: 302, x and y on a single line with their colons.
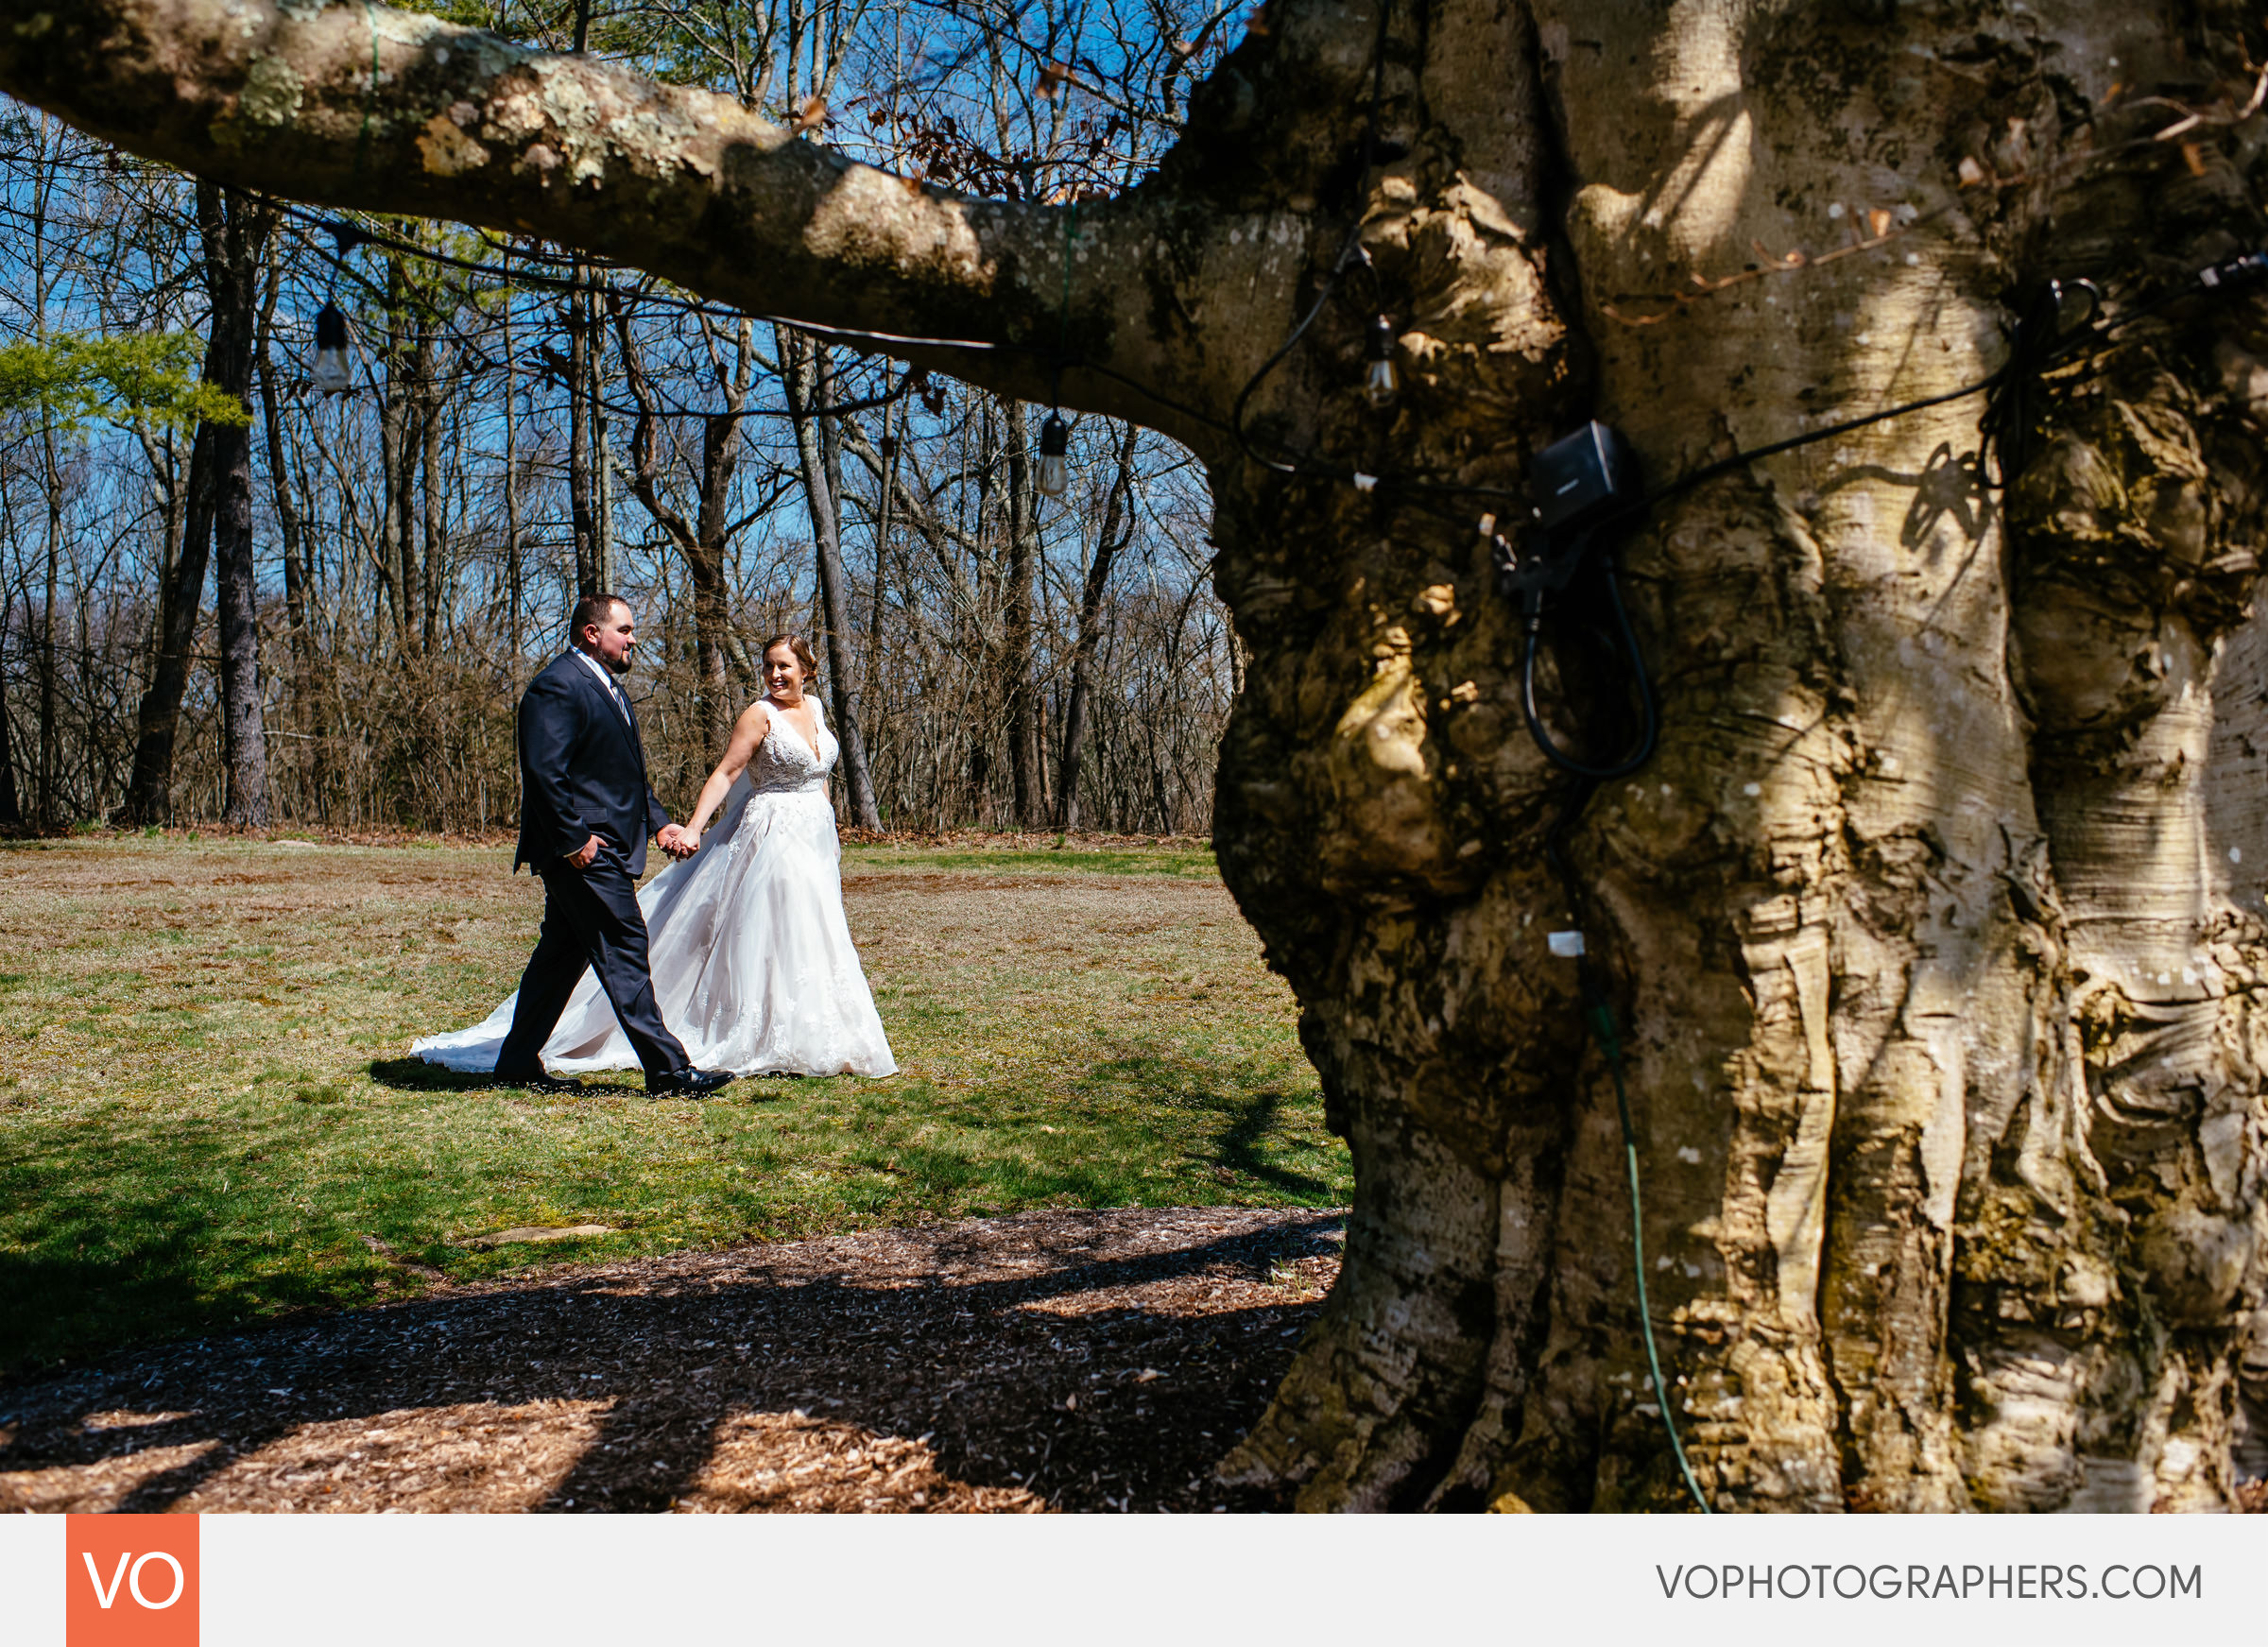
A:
x: 233, y: 231
x: 1925, y: 951
x: 705, y: 538
x: 808, y: 388
x: 1117, y: 525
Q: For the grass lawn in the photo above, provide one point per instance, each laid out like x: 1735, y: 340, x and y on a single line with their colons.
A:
x: 207, y: 1111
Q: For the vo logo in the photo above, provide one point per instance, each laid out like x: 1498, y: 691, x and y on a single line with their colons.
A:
x: 130, y: 1580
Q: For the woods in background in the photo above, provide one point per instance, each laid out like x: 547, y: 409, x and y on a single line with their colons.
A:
x: 230, y: 597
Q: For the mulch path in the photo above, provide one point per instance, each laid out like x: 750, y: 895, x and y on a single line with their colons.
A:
x: 1052, y: 1360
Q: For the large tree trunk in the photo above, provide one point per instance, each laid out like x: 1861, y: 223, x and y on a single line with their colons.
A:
x: 1929, y: 940
x: 1927, y: 924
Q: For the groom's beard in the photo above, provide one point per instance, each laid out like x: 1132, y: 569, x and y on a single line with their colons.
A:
x: 629, y: 657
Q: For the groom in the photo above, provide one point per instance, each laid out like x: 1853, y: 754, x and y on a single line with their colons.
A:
x: 585, y: 810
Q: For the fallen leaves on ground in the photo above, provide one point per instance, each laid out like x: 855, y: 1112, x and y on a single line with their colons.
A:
x: 1057, y: 1360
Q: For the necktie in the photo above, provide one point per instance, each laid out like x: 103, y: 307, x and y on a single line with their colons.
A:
x: 606, y: 678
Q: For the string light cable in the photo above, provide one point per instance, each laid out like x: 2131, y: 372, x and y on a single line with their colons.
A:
x: 852, y: 336
x: 1352, y: 253
x: 1054, y: 476
x: 2048, y: 335
x: 2064, y: 321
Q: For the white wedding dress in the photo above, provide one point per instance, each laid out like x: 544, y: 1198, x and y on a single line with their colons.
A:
x: 752, y: 962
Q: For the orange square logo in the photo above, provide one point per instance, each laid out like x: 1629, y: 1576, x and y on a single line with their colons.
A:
x: 130, y: 1580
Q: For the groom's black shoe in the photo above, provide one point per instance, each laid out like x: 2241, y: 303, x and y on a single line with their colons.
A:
x: 688, y: 1083
x: 535, y: 1081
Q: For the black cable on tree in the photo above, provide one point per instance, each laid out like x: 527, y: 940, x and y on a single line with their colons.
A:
x: 1581, y: 488
x: 1351, y: 254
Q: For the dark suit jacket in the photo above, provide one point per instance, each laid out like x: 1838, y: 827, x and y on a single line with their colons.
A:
x: 582, y: 771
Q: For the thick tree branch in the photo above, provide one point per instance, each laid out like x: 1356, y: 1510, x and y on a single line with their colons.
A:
x: 387, y: 111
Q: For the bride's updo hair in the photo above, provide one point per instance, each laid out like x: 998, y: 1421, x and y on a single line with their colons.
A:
x: 799, y: 646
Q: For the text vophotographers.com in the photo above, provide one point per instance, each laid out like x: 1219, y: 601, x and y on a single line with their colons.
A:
x: 1918, y: 1581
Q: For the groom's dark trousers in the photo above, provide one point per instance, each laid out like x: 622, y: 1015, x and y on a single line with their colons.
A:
x: 582, y: 773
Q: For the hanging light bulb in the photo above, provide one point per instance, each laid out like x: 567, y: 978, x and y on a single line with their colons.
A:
x: 1054, y: 456
x: 334, y: 369
x: 1380, y: 385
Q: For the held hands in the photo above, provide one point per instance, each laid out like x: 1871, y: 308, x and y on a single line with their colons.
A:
x: 678, y: 842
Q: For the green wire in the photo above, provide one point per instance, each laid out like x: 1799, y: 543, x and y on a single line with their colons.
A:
x: 1602, y: 1026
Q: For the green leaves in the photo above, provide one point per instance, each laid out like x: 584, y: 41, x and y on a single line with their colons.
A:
x: 147, y: 377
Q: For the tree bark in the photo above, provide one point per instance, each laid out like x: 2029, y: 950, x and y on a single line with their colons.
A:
x: 232, y: 233
x: 1117, y: 524
x: 396, y: 444
x: 430, y: 488
x: 807, y: 401
x: 235, y: 232
x: 46, y: 771
x: 1019, y: 713
x: 237, y: 612
x: 1933, y: 937
x: 1946, y: 1219
x: 583, y: 458
x: 279, y: 474
x: 710, y: 570
x: 515, y: 600
x: 149, y: 785
x: 47, y: 810
x: 297, y: 576
x: 879, y: 606
x: 11, y: 809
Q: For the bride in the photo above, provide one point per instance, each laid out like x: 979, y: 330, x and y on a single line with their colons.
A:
x: 752, y: 962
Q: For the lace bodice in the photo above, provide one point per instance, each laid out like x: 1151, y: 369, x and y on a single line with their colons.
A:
x: 785, y: 764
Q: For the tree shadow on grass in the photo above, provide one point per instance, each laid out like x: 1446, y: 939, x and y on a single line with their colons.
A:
x: 147, y: 1278
x: 1240, y: 1147
x: 1095, y: 1360
x: 106, y: 1242
x: 1251, y: 1117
